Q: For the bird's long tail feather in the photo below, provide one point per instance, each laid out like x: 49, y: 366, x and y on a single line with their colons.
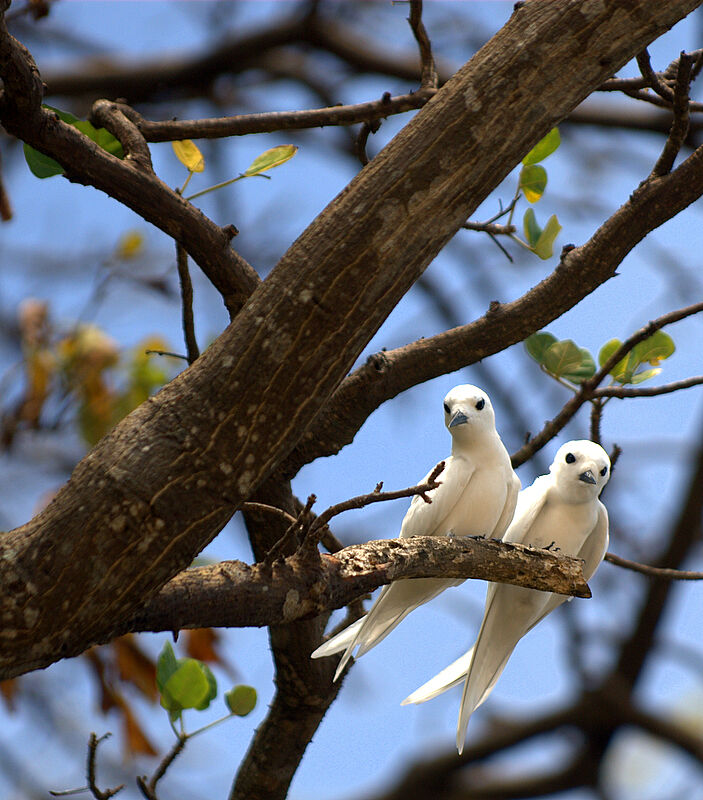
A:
x: 393, y: 605
x: 450, y: 676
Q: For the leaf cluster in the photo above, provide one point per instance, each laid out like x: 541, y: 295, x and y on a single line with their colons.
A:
x: 565, y: 361
x: 188, y: 683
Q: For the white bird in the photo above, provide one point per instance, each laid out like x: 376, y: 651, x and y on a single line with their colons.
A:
x: 476, y: 497
x: 560, y: 511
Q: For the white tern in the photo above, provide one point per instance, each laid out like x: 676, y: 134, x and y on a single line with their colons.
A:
x: 476, y: 497
x: 560, y: 511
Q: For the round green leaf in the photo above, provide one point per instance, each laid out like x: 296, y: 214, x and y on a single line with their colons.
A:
x: 533, y: 182
x: 241, y: 700
x: 188, y: 687
x: 538, y: 344
x: 564, y: 359
x: 654, y: 349
x: 585, y: 370
x: 621, y: 372
x: 545, y: 147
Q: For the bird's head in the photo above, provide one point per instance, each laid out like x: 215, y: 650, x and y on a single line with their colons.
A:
x: 468, y: 412
x: 580, y: 469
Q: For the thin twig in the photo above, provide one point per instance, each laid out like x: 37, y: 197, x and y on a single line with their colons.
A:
x: 679, y: 126
x: 97, y: 793
x: 651, y: 77
x: 169, y: 758
x: 648, y: 391
x: 267, y: 509
x: 428, y: 78
x: 654, y: 572
x: 186, y: 303
x: 165, y: 353
x: 377, y: 496
x: 596, y: 416
x: 366, y: 129
x: 271, y: 121
x: 490, y: 227
x: 291, y: 536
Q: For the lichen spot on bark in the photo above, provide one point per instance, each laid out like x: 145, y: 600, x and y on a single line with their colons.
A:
x: 290, y: 604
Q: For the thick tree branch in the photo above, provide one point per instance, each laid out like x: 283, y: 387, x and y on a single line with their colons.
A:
x: 234, y: 594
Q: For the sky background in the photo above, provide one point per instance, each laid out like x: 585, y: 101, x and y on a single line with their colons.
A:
x: 63, y: 235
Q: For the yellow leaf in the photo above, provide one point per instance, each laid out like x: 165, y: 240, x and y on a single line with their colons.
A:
x: 130, y: 245
x: 189, y: 155
x: 271, y: 158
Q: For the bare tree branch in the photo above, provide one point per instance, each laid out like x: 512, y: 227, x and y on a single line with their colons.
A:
x: 662, y: 573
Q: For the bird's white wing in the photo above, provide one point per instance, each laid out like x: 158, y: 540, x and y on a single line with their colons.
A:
x: 530, y: 502
x: 596, y: 545
x: 592, y: 552
x: 426, y: 519
x: 508, y: 512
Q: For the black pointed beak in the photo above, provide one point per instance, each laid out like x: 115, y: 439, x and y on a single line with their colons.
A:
x: 587, y: 477
x: 459, y: 419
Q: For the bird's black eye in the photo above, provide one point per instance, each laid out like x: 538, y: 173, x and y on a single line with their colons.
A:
x: 446, y: 408
x: 604, y: 471
x: 481, y: 403
x: 570, y: 458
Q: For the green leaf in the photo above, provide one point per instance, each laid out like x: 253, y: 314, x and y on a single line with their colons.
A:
x: 538, y: 344
x: 654, y: 349
x: 543, y: 148
x: 533, y: 182
x: 586, y: 370
x: 40, y: 165
x: 45, y: 167
x: 241, y: 700
x: 166, y: 665
x: 271, y: 158
x: 64, y: 116
x: 212, y: 683
x: 645, y: 375
x: 545, y: 244
x: 620, y: 371
x: 101, y: 136
x: 188, y: 687
x: 531, y: 228
x: 564, y: 359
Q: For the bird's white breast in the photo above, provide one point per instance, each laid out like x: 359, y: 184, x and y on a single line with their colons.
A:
x: 566, y: 524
